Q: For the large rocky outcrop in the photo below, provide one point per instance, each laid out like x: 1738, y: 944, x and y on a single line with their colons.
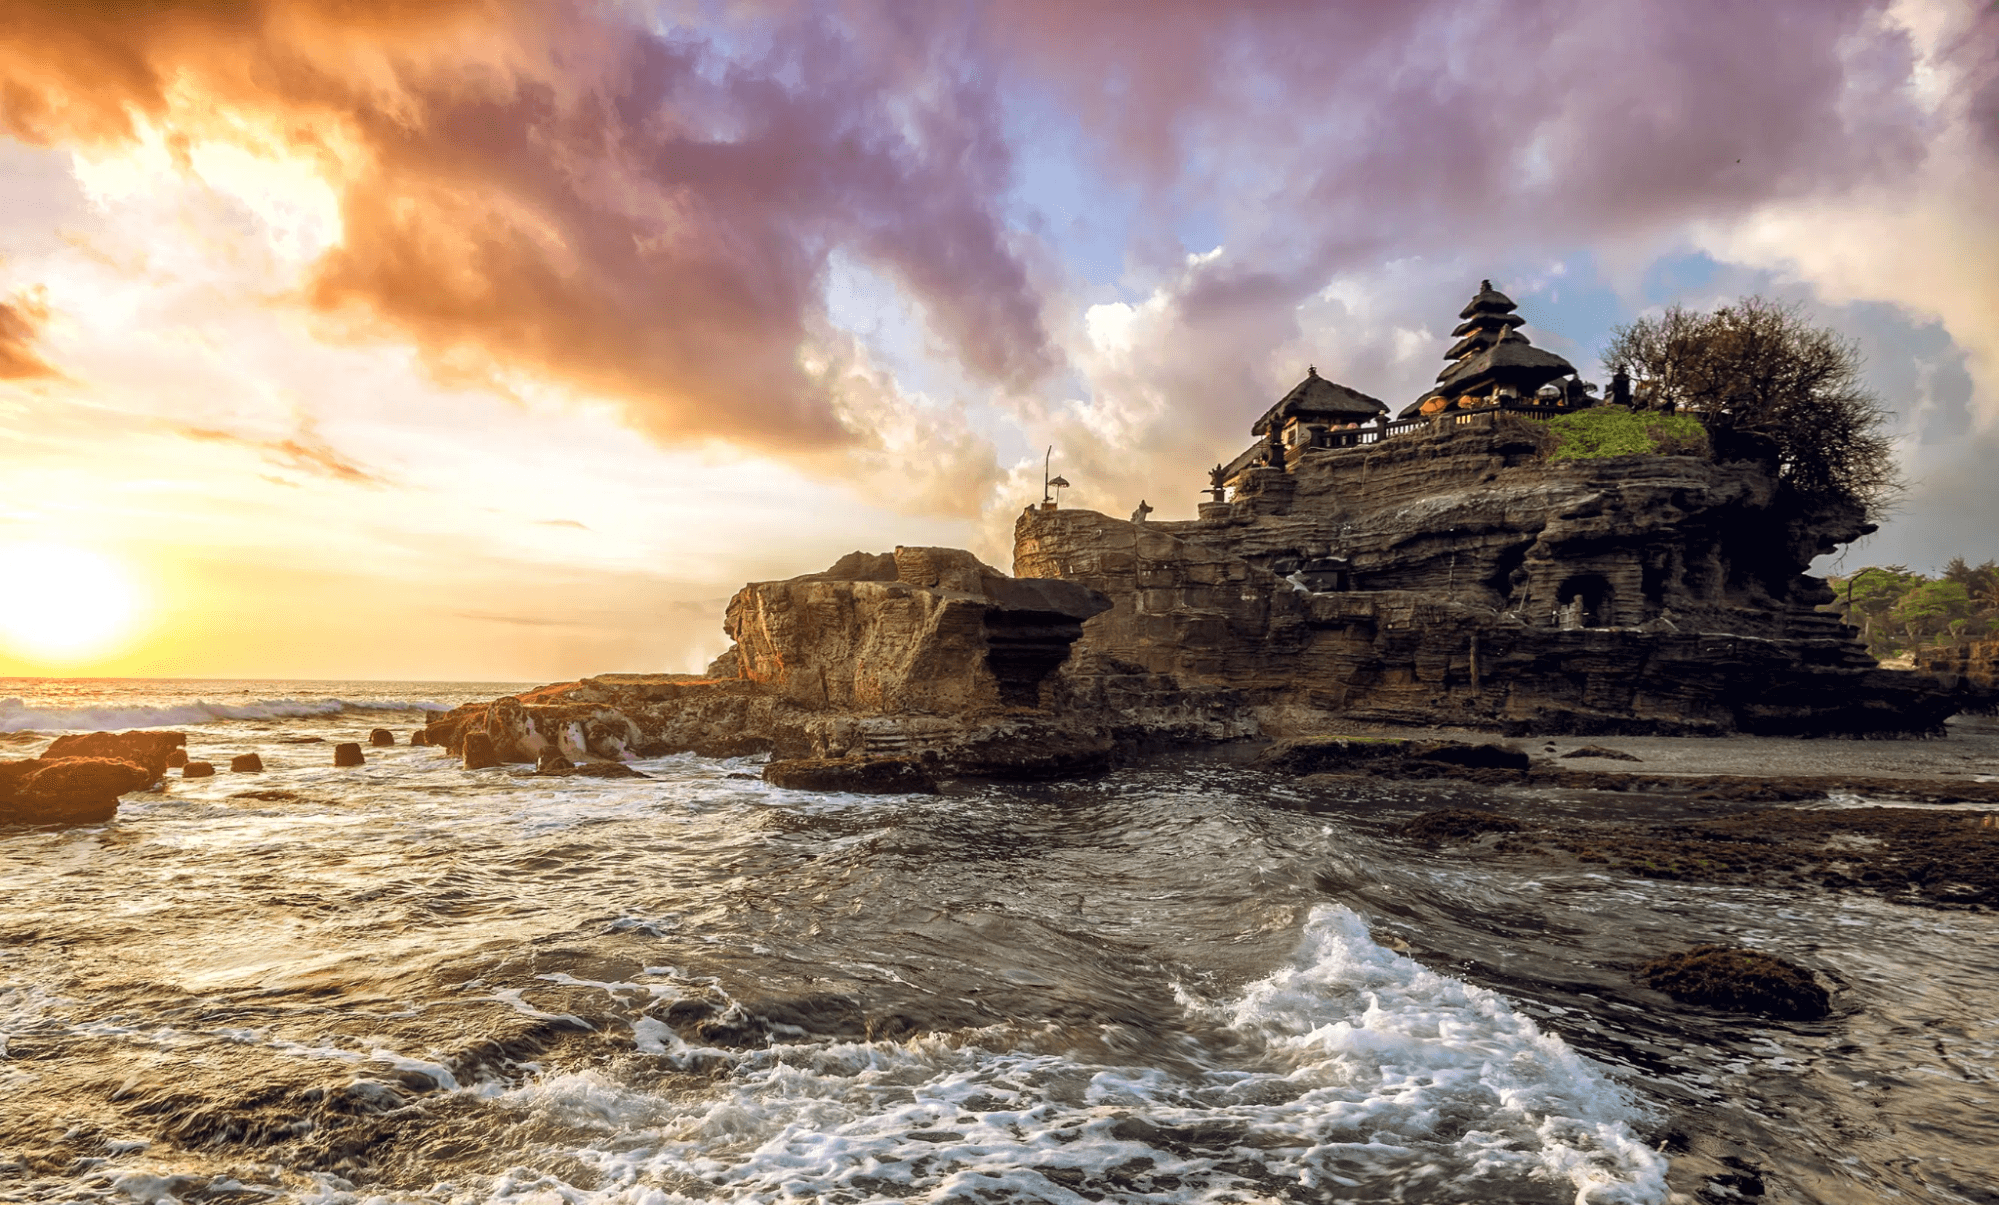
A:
x: 70, y: 790
x: 151, y: 748
x: 1458, y: 577
x: 922, y: 653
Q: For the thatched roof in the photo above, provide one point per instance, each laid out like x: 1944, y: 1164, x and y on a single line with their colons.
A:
x: 1486, y: 322
x: 1487, y: 300
x: 1317, y: 398
x: 1510, y: 361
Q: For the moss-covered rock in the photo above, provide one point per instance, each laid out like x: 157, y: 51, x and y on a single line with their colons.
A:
x: 1737, y: 978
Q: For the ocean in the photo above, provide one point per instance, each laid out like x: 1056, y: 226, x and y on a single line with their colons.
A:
x: 1185, y: 981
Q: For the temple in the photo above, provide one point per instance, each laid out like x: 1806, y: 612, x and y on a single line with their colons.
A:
x: 1444, y: 567
x: 1492, y: 368
x: 1493, y: 363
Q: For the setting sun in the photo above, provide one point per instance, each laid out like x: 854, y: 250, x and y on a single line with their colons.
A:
x: 64, y: 602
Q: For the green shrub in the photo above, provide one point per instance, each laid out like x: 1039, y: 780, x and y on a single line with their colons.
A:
x: 1603, y: 431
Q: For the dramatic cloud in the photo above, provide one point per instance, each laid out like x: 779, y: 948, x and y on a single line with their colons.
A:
x: 21, y: 322
x: 544, y: 189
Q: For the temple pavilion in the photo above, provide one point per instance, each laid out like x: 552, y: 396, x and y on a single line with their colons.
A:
x: 1316, y: 402
x: 1491, y: 360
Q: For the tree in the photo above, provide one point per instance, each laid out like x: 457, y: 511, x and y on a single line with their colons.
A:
x: 1760, y: 367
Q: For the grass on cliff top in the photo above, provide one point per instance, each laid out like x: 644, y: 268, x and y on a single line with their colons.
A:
x: 1603, y: 431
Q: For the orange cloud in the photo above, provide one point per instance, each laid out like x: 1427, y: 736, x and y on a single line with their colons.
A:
x: 306, y: 452
x: 541, y: 188
x: 21, y: 322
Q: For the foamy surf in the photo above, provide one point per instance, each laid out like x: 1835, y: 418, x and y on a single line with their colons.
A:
x: 16, y: 716
x: 1353, y: 1072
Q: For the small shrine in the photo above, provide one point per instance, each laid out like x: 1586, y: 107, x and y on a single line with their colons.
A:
x: 1316, y: 402
x: 1492, y: 361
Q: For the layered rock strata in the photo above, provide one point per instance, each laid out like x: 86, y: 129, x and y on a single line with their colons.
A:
x: 1457, y: 577
x: 923, y: 653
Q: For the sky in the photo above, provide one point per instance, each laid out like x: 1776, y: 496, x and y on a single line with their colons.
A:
x: 476, y: 340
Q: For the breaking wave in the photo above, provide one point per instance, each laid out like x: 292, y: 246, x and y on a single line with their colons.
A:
x: 16, y: 716
x: 1353, y: 1073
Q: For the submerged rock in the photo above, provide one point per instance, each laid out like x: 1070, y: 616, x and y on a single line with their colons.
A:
x: 246, y: 762
x: 870, y: 776
x: 1739, y: 979
x: 197, y: 770
x: 67, y: 791
x: 1457, y: 825
x: 348, y: 753
x: 149, y: 748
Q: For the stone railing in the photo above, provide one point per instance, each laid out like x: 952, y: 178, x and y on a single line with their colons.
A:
x: 1374, y: 433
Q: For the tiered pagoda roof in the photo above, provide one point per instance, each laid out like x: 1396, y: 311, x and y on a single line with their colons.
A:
x: 1491, y: 353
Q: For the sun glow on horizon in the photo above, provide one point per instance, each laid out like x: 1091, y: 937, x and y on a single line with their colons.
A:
x: 62, y: 603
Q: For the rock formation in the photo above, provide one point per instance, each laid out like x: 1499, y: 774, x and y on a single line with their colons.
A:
x: 381, y: 737
x: 1436, y: 569
x: 1453, y: 575
x: 348, y: 753
x: 197, y: 770
x: 69, y: 790
x: 149, y: 748
x: 923, y: 652
x: 246, y: 762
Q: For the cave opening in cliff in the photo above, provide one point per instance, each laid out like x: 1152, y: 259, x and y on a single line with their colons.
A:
x: 1023, y: 648
x: 1585, y: 601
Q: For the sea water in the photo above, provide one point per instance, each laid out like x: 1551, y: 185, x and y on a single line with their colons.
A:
x: 1182, y: 982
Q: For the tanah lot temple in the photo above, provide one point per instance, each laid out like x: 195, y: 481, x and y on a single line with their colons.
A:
x: 1491, y: 368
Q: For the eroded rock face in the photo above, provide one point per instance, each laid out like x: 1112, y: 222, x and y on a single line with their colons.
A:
x: 1458, y: 578
x: 947, y: 635
x: 70, y: 790
x: 922, y: 652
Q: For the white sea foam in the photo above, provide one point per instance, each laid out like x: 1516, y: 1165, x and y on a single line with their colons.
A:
x: 16, y: 715
x: 1351, y: 1072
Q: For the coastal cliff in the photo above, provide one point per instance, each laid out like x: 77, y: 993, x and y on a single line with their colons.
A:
x: 1457, y: 576
x: 1505, y: 555
x: 924, y: 653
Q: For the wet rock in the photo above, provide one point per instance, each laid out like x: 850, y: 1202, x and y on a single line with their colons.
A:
x: 148, y: 748
x: 552, y: 760
x: 1598, y: 751
x: 873, y: 776
x: 348, y: 753
x: 176, y: 757
x: 1457, y: 825
x: 67, y: 791
x: 1314, y: 755
x: 197, y: 770
x: 246, y: 762
x: 478, y: 748
x: 593, y: 770
x: 419, y: 737
x: 1479, y: 756
x: 381, y: 737
x: 1738, y: 979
